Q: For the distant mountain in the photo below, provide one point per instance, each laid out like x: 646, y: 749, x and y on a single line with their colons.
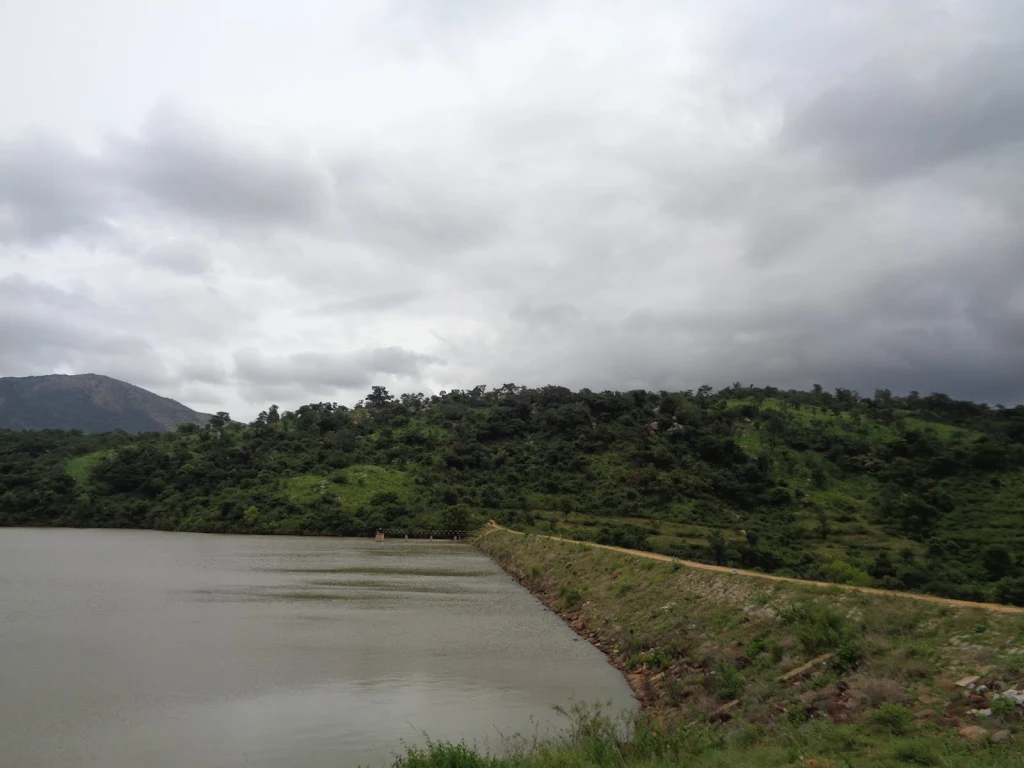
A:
x: 89, y: 402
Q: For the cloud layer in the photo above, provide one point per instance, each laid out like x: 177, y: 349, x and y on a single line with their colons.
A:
x: 443, y: 194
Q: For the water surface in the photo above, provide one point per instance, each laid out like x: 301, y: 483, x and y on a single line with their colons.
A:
x: 137, y: 649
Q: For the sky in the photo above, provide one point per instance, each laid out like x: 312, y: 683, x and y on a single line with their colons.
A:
x: 235, y: 204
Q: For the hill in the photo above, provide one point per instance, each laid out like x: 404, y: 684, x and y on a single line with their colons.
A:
x: 914, y: 493
x: 90, y: 403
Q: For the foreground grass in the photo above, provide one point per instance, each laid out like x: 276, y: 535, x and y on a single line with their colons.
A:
x: 595, y: 741
x: 716, y: 661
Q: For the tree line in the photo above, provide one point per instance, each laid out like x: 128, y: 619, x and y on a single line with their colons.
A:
x: 912, y: 492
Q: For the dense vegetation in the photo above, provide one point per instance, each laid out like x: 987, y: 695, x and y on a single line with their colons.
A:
x: 740, y: 671
x: 920, y: 493
x: 88, y: 402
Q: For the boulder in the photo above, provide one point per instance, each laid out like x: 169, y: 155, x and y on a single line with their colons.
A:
x: 973, y: 733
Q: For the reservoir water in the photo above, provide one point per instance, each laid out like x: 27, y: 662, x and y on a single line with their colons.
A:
x: 137, y: 649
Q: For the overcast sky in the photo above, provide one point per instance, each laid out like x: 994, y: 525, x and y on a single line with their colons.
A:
x: 239, y: 203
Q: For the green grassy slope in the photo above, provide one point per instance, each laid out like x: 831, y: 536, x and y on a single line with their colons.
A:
x: 715, y: 659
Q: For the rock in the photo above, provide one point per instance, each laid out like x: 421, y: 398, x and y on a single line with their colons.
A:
x: 970, y: 680
x: 982, y: 689
x: 973, y: 732
x: 1000, y: 736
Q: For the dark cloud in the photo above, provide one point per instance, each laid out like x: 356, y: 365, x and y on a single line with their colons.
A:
x: 189, y: 168
x: 896, y: 117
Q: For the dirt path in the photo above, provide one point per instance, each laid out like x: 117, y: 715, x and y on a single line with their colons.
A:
x: 723, y: 569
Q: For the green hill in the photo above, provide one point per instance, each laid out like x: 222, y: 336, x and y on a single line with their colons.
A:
x: 918, y: 493
x: 90, y: 403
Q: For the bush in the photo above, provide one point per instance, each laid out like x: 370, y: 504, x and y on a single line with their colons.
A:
x: 656, y: 658
x: 728, y: 681
x: 1005, y: 709
x: 820, y: 628
x: 917, y: 753
x: 841, y: 572
x: 571, y: 597
x: 848, y: 655
x: 895, y: 718
x: 445, y: 756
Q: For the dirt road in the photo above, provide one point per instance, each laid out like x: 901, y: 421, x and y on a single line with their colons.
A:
x: 753, y: 574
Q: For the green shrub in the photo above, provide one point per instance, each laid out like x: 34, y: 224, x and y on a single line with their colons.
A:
x: 916, y: 753
x: 755, y: 647
x: 848, y: 655
x: 656, y: 658
x: 820, y: 628
x: 623, y: 585
x: 895, y: 718
x: 571, y: 597
x: 445, y: 756
x: 1005, y: 709
x: 728, y: 681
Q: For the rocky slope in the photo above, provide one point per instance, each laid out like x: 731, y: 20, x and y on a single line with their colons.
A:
x: 89, y: 402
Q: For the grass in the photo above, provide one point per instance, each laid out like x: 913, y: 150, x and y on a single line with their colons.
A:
x: 592, y: 740
x: 355, y: 486
x: 80, y: 468
x: 690, y: 640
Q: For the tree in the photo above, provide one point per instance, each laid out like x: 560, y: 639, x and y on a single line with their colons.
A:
x: 716, y: 543
x: 219, y: 420
x: 823, y: 527
x: 379, y: 397
x: 456, y: 517
x: 998, y: 561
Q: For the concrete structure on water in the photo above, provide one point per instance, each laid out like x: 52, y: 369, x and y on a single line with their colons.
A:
x: 428, y: 533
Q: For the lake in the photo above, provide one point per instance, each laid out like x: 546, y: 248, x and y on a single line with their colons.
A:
x: 140, y: 649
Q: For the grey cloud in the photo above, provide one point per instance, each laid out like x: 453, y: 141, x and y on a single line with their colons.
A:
x: 50, y: 189
x: 887, y: 120
x: 687, y: 193
x: 194, y: 170
x: 43, y: 328
x: 415, y: 210
x: 955, y: 327
x: 204, y: 371
x: 322, y: 371
x: 378, y: 302
x: 183, y: 256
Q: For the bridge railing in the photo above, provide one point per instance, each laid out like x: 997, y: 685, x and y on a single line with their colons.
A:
x: 421, y: 533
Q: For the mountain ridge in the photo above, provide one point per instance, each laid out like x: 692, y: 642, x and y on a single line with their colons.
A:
x: 89, y: 402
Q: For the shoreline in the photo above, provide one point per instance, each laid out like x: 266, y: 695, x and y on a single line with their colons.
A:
x: 641, y: 686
